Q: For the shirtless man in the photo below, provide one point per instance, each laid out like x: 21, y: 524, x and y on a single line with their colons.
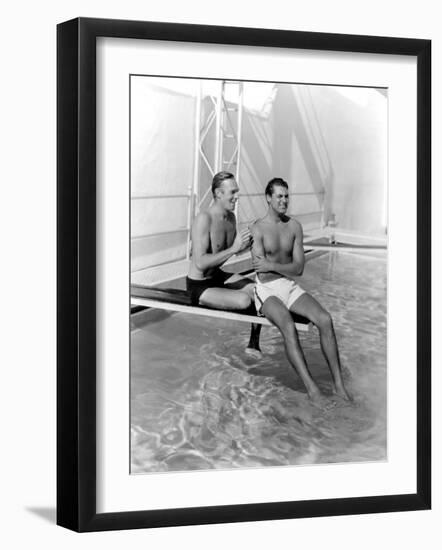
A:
x: 278, y: 258
x: 214, y: 241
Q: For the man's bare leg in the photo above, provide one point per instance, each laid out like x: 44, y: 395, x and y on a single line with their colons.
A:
x: 225, y: 298
x: 279, y: 315
x: 234, y: 296
x: 307, y: 306
x: 247, y: 285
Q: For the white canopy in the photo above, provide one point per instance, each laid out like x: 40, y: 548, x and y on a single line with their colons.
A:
x: 329, y: 143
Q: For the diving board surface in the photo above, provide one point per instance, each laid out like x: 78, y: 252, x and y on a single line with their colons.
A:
x: 179, y: 300
x: 323, y: 243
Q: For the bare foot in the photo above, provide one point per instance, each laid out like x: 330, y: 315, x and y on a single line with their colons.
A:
x: 253, y: 352
x: 322, y: 402
x: 346, y: 372
x: 340, y: 391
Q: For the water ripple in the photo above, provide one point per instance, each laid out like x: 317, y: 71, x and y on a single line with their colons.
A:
x: 202, y: 405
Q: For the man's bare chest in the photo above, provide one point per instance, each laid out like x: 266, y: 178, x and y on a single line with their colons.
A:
x: 222, y: 234
x: 279, y: 240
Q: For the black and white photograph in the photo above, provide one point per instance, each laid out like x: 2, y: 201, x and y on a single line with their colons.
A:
x: 243, y: 260
x: 220, y: 262
x: 258, y: 274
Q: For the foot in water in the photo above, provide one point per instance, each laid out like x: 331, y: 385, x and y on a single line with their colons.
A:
x: 321, y: 401
x: 341, y: 392
x: 254, y: 352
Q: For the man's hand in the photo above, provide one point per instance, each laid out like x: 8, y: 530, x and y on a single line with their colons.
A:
x: 242, y: 241
x: 261, y: 265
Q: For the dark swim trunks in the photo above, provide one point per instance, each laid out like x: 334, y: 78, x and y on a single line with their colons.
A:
x: 195, y: 287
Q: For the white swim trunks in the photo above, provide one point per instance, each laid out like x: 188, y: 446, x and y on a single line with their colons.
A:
x: 286, y: 290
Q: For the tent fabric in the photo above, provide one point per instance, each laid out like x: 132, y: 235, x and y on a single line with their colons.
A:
x: 162, y: 166
x: 328, y: 143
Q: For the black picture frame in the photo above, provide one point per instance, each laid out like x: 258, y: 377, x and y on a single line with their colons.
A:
x: 77, y: 287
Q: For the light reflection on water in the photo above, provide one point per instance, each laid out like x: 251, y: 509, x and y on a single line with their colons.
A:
x: 198, y: 401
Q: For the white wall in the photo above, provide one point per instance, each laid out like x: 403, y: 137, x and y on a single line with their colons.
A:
x: 27, y: 403
x: 162, y: 168
x: 280, y: 145
x: 328, y: 142
x: 354, y: 125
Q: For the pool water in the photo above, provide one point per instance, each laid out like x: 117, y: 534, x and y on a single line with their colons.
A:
x: 199, y: 401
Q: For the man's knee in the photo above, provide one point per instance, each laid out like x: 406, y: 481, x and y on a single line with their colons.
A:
x: 243, y: 300
x: 287, y: 327
x: 324, y: 320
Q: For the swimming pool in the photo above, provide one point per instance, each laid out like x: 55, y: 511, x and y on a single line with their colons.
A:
x: 199, y: 401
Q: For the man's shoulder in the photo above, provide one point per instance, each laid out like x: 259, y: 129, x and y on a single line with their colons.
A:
x: 294, y: 223
x: 262, y: 223
x: 257, y: 226
x: 208, y: 215
x: 203, y: 215
x: 202, y: 221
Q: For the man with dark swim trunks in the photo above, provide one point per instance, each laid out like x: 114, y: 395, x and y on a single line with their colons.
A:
x: 278, y: 259
x: 215, y: 240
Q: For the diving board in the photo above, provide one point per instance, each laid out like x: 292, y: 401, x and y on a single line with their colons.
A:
x: 179, y: 301
x: 324, y: 244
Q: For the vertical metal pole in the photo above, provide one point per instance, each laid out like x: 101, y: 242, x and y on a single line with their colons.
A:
x: 218, y: 128
x: 239, y: 139
x: 385, y: 193
x: 194, y: 188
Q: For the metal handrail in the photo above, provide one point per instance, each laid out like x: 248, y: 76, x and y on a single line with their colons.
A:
x: 261, y: 194
x: 298, y: 214
x: 140, y: 197
x: 180, y: 259
x: 160, y: 233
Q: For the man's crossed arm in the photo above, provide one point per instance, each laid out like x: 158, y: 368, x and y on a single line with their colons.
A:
x: 290, y: 270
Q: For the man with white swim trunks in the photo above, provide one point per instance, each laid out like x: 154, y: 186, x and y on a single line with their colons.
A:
x: 278, y: 258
